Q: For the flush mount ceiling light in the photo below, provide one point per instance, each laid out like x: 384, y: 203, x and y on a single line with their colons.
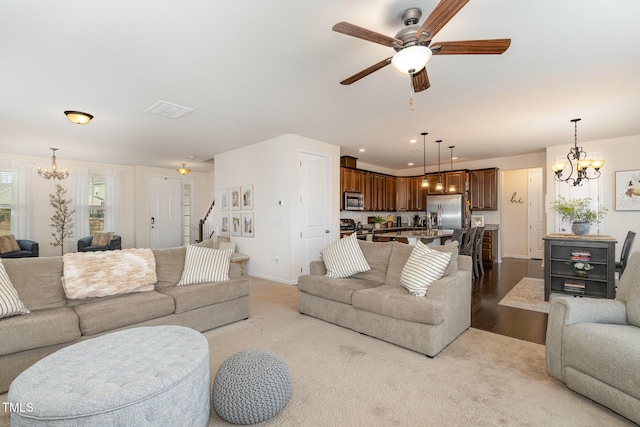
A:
x: 78, y: 117
x: 54, y: 173
x: 577, y: 160
x: 183, y: 170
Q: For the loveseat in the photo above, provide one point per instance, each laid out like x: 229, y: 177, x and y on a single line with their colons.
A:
x: 593, y: 345
x: 26, y: 248
x: 56, y: 321
x: 374, y: 303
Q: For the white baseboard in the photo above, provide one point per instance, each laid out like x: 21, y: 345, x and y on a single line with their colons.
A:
x: 275, y: 279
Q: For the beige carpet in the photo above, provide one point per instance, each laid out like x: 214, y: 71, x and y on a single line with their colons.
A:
x: 527, y: 294
x: 343, y: 378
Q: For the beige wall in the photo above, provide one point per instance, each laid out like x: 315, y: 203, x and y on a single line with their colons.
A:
x: 515, y: 215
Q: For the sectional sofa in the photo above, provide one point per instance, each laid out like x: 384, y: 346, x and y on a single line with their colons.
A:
x: 56, y: 321
x: 374, y: 303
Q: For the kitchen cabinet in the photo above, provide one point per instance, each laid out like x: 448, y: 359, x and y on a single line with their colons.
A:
x: 457, y: 178
x: 367, y: 190
x: 490, y: 246
x: 561, y: 251
x: 403, y: 199
x: 351, y: 180
x: 390, y: 190
x: 378, y: 190
x: 419, y: 200
x: 484, y: 189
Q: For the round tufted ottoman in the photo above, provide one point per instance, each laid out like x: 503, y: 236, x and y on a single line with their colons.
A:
x: 251, y: 386
x: 137, y: 377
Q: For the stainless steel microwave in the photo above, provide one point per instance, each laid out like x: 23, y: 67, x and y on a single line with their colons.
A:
x: 353, y: 201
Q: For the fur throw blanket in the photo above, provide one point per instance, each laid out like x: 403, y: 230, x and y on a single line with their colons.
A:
x: 98, y: 274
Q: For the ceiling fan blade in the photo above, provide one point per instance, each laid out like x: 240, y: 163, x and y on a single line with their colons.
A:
x: 420, y: 80
x: 364, y: 34
x: 444, y: 11
x: 471, y: 47
x: 366, y: 72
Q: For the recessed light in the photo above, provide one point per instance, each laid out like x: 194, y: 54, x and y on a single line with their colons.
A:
x: 454, y: 158
x: 409, y: 164
x: 412, y: 141
x: 361, y: 150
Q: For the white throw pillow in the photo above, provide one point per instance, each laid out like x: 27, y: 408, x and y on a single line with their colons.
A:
x: 344, y: 258
x: 423, y: 267
x: 204, y: 265
x: 10, y: 304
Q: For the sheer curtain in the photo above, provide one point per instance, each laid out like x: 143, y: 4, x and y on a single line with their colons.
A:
x: 21, y: 217
x: 112, y: 202
x: 80, y: 202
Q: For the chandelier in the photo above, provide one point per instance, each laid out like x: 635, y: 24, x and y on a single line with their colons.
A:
x: 578, y: 162
x: 54, y: 173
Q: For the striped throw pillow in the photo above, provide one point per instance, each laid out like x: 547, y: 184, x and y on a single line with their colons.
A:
x: 423, y: 267
x: 204, y: 265
x: 10, y: 304
x: 344, y: 258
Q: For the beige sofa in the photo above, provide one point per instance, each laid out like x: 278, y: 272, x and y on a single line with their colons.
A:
x: 593, y: 345
x: 374, y: 303
x: 56, y: 322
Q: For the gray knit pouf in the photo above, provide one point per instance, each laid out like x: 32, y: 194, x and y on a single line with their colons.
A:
x: 251, y: 386
x: 148, y: 376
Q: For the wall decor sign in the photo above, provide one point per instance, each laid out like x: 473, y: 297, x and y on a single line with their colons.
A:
x: 628, y: 190
x: 247, y: 224
x: 236, y: 228
x: 234, y: 196
x: 246, y: 193
x: 224, y: 199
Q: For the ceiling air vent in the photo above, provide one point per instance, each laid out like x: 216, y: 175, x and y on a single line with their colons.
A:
x: 167, y: 109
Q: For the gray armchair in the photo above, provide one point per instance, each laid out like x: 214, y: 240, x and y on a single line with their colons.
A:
x: 593, y: 345
x: 28, y: 248
x: 84, y: 244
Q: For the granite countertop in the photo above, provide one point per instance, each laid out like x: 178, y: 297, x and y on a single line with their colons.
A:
x: 568, y: 236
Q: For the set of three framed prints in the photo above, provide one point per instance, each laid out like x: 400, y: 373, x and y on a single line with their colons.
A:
x: 236, y: 211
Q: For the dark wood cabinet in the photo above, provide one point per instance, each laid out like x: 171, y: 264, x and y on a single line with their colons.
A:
x: 390, y: 189
x: 403, y: 199
x: 367, y: 190
x: 490, y: 246
x: 484, y: 189
x: 378, y: 190
x: 457, y: 179
x: 561, y: 251
x: 351, y: 180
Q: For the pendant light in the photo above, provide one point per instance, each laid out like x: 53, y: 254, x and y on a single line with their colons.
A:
x: 425, y: 183
x: 183, y: 170
x: 452, y: 187
x: 439, y: 186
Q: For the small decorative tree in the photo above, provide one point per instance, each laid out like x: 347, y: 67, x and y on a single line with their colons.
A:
x: 61, y: 220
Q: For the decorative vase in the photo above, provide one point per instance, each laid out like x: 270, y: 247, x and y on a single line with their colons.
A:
x: 582, y: 273
x: 580, y: 228
x: 376, y: 226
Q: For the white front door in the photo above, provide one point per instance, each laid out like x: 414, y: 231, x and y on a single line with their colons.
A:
x: 315, y: 207
x: 165, y: 208
x: 536, y: 214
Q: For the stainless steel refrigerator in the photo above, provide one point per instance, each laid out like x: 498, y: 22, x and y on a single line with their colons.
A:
x: 446, y: 211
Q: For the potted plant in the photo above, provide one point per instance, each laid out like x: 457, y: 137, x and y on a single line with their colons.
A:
x: 581, y: 268
x: 579, y: 213
x: 377, y: 220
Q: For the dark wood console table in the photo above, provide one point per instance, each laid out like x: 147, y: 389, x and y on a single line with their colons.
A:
x: 562, y: 250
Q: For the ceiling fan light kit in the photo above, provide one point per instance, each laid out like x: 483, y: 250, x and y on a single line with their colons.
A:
x: 413, y: 44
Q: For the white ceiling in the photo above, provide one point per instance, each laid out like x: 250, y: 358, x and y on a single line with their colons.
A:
x: 257, y: 69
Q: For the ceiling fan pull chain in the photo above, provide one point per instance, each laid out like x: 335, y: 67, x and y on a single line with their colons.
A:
x: 410, y: 93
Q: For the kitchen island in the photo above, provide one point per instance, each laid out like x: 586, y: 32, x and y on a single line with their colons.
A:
x: 412, y: 234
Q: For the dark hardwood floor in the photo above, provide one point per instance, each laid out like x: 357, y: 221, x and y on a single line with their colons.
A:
x: 489, y: 289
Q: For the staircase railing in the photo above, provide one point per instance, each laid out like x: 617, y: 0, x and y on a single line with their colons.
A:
x: 206, y: 228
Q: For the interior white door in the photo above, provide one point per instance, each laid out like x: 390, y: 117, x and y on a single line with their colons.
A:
x: 165, y: 208
x: 315, y: 207
x: 536, y: 214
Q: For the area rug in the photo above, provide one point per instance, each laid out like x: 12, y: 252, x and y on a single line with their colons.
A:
x: 527, y: 294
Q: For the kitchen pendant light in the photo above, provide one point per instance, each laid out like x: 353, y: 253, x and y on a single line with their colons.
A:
x: 452, y: 187
x: 439, y: 186
x: 425, y: 183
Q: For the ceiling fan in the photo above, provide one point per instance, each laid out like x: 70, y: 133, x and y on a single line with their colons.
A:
x: 414, y: 46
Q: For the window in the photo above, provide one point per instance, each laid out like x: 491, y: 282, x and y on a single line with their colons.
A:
x: 5, y: 203
x: 97, y: 193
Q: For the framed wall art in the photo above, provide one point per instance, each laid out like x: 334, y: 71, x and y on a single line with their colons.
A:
x: 224, y: 225
x: 234, y: 198
x: 246, y: 193
x: 477, y: 220
x: 223, y: 197
x: 247, y: 224
x: 236, y: 227
x: 628, y: 190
